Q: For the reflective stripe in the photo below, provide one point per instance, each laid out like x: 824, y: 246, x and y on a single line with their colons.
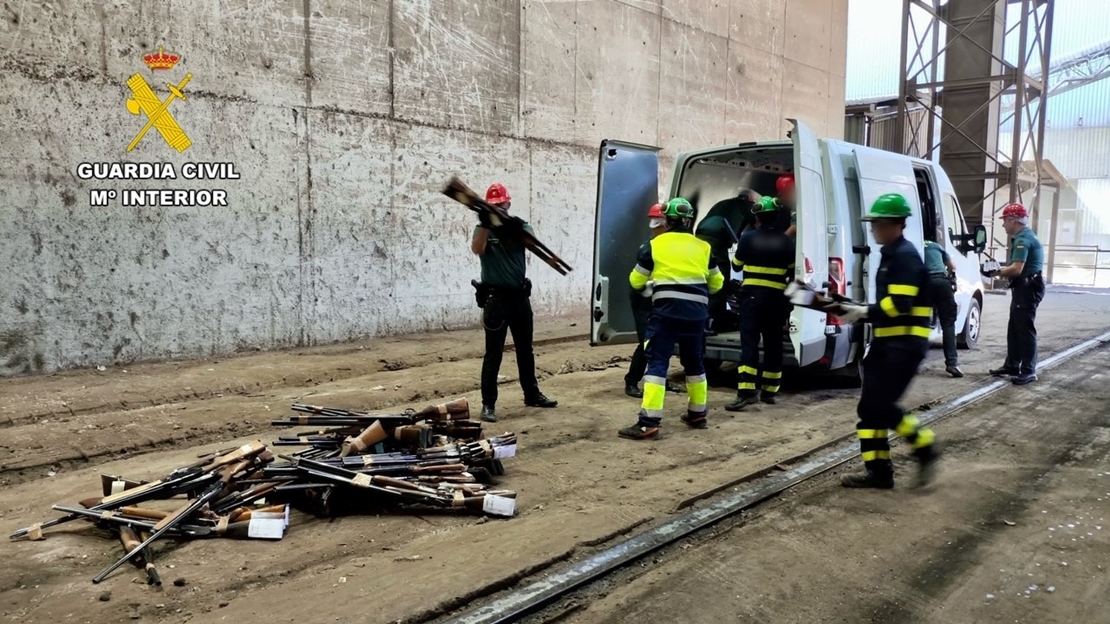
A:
x: 771, y: 389
x: 737, y: 263
x: 875, y: 455
x: 747, y: 385
x: 770, y: 375
x: 890, y: 332
x: 902, y: 289
x: 654, y: 414
x: 670, y: 294
x: 766, y: 283
x: 652, y: 379
x: 887, y: 305
x: 871, y: 434
x: 641, y: 270
x: 925, y: 437
x: 748, y: 369
x: 715, y: 271
x: 680, y: 281
x: 653, y: 398
x: 693, y: 379
x: 907, y: 426
x: 925, y: 311
x: 698, y: 409
x: 760, y: 269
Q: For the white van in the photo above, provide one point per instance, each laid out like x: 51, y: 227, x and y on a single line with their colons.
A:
x: 835, y: 181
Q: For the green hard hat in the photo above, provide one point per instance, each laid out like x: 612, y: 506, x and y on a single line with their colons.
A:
x: 678, y: 208
x: 888, y: 206
x: 765, y: 204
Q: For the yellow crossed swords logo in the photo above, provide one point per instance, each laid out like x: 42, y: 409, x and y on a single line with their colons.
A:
x: 157, y: 112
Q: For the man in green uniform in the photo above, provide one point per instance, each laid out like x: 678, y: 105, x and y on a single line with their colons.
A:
x: 681, y: 274
x: 725, y: 221
x: 504, y: 293
x: 1026, y: 260
x: 942, y: 293
x: 900, y: 341
x: 766, y: 256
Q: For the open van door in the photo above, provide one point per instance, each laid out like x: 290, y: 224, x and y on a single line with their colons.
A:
x: 885, y: 172
x: 627, y: 186
x: 807, y: 327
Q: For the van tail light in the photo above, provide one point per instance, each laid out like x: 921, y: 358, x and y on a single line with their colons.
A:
x: 838, y: 284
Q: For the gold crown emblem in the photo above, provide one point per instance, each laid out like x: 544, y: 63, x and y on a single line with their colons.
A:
x: 161, y: 60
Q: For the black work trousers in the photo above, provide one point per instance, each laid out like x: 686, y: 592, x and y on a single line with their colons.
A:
x: 502, y: 314
x: 762, y: 316
x: 944, y: 301
x: 636, y: 368
x: 1021, y: 336
x: 888, y: 369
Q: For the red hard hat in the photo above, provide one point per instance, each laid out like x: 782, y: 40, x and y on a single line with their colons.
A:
x: 1014, y: 210
x: 656, y: 212
x: 496, y: 194
x: 784, y: 183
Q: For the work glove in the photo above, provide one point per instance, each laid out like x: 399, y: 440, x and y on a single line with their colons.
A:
x: 648, y: 290
x: 850, y: 312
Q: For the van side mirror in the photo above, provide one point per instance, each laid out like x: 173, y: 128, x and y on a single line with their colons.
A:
x: 980, y: 239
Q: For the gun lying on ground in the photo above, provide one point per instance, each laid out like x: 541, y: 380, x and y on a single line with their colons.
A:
x: 504, y: 224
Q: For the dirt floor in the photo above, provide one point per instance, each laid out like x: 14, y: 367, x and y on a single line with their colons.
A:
x: 1016, y: 529
x: 578, y: 485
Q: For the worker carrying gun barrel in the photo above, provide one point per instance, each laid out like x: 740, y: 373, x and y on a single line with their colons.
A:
x: 766, y: 256
x: 901, y: 321
x: 678, y: 268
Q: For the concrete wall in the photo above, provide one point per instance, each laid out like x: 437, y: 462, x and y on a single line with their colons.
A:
x: 344, y: 119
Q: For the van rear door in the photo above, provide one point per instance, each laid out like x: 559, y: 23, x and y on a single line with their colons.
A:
x: 883, y: 172
x: 627, y: 186
x: 807, y: 327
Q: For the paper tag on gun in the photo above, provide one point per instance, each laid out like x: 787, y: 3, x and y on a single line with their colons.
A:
x: 800, y: 295
x: 504, y: 452
x: 266, y: 528
x: 991, y: 265
x: 118, y: 486
x: 496, y: 505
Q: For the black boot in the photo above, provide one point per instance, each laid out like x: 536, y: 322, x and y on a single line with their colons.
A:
x: 696, y: 420
x: 927, y: 464
x: 876, y: 475
x: 633, y: 390
x: 539, y: 400
x: 767, y: 397
x: 488, y: 414
x: 741, y: 402
x: 1004, y: 371
x: 954, y: 371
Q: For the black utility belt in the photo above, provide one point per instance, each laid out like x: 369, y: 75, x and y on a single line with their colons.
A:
x: 483, y: 291
x: 1026, y: 280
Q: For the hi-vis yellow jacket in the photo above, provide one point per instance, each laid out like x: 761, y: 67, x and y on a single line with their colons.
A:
x: 684, y: 274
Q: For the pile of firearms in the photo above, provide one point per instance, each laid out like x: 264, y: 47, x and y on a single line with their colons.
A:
x: 435, y: 457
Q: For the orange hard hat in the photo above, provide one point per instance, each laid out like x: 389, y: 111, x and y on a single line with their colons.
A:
x: 1014, y: 210
x: 497, y: 194
x: 656, y: 212
x: 784, y: 183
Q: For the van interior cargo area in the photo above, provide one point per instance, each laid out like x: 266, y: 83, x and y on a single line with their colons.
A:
x: 709, y: 183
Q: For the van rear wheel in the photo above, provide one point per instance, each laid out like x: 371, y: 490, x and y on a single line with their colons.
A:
x: 719, y: 377
x: 969, y: 337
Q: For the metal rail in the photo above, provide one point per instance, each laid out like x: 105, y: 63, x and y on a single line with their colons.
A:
x: 530, y: 598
